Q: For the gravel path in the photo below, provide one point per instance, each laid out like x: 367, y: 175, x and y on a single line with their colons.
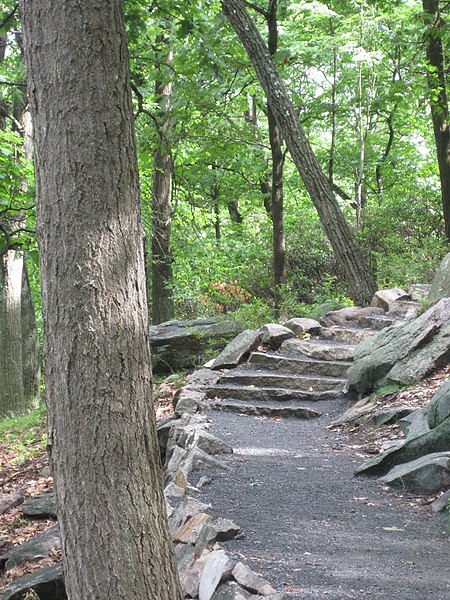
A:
x: 312, y: 528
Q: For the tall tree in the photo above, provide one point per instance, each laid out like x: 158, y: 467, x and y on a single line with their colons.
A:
x: 345, y: 246
x: 439, y: 101
x: 162, y: 303
x: 101, y: 436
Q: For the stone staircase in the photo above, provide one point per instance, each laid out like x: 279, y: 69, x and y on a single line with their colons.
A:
x: 295, y: 379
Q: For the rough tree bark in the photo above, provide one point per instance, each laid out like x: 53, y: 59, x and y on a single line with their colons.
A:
x: 346, y: 248
x: 101, y: 434
x: 162, y: 303
x: 439, y: 102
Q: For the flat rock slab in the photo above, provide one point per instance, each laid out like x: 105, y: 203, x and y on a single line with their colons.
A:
x: 218, y: 566
x: 179, y: 345
x: 230, y: 590
x: 38, y: 547
x: 303, y: 325
x: 273, y: 335
x: 254, y: 582
x: 40, y: 506
x: 269, y: 379
x: 270, y: 394
x: 345, y: 335
x: 265, y: 410
x: 298, y: 365
x: 47, y: 583
x: 428, y: 474
x: 321, y: 350
x: 352, y: 314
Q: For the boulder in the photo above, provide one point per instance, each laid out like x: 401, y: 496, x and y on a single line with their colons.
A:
x: 218, y: 530
x: 218, y: 567
x: 188, y: 401
x: 177, y: 345
x: 405, y: 353
x: 252, y: 581
x: 273, y: 335
x: 419, y: 291
x: 303, y: 325
x: 440, y: 287
x: 211, y: 444
x: 345, y: 316
x: 415, y: 424
x: 47, y: 583
x: 40, y: 506
x: 238, y: 350
x: 189, y: 532
x: 434, y: 440
x: 230, y: 590
x: 428, y: 474
x: 384, y: 416
x: 439, y: 406
x: 38, y: 547
x: 441, y: 503
x: 386, y: 298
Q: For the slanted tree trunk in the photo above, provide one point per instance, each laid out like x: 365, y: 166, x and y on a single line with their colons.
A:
x: 101, y: 437
x: 346, y: 248
x: 439, y: 102
x: 162, y: 303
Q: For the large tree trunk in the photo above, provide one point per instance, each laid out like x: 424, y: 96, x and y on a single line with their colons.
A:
x: 346, y: 248
x: 162, y: 303
x: 101, y: 437
x: 439, y: 102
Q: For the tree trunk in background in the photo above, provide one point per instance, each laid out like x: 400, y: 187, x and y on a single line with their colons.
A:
x: 101, y: 437
x: 31, y: 360
x: 162, y: 303
x: 439, y: 102
x: 12, y: 399
x: 276, y: 140
x: 342, y: 238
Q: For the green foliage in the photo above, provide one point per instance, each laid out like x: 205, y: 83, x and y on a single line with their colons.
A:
x: 25, y: 435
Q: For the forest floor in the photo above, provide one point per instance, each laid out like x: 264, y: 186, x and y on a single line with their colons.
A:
x: 309, y: 526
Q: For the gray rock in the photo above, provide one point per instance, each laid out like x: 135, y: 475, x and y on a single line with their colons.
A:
x: 403, y: 354
x: 403, y: 310
x: 174, y: 491
x: 303, y: 325
x: 230, y: 590
x: 47, y: 583
x: 441, y: 503
x: 383, y: 416
x: 202, y: 378
x: 352, y: 314
x: 189, y: 532
x: 345, y: 335
x: 198, y: 459
x: 252, y: 581
x: 419, y: 291
x: 440, y: 287
x: 211, y: 444
x: 40, y: 506
x: 177, y: 345
x: 435, y: 440
x: 439, y: 407
x: 357, y: 411
x: 415, y: 424
x: 218, y: 567
x: 319, y: 350
x: 238, y: 350
x: 273, y: 335
x: 428, y: 474
x: 189, y: 507
x: 38, y: 547
x: 188, y: 401
x: 386, y: 298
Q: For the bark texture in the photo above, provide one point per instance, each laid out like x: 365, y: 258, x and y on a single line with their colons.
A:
x: 162, y: 303
x: 102, y: 439
x: 345, y: 246
x: 439, y: 102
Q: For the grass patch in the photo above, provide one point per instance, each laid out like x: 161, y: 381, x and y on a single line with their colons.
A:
x: 24, y: 436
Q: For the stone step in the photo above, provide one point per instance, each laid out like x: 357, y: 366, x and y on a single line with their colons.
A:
x: 377, y: 322
x: 319, y: 349
x: 269, y: 394
x: 284, y: 410
x: 300, y: 365
x: 268, y: 379
x: 345, y: 335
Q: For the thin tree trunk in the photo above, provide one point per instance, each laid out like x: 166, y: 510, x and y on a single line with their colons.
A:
x: 346, y: 248
x: 101, y: 437
x: 31, y: 363
x: 439, y: 102
x: 276, y: 141
x: 162, y: 302
x: 12, y: 399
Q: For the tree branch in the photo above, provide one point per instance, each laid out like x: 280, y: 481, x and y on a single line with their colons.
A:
x: 9, y: 16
